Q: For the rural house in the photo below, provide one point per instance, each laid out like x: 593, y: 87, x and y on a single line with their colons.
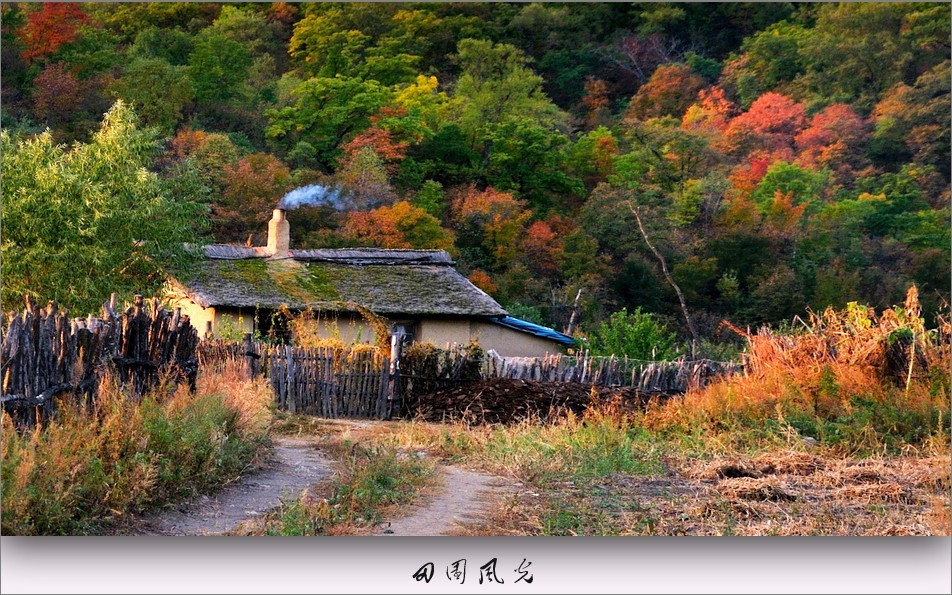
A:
x: 240, y: 289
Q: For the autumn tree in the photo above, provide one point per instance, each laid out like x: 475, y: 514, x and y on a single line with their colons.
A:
x: 771, y: 124
x: 597, y: 103
x: 252, y: 187
x: 835, y: 138
x: 398, y: 226
x: 489, y: 224
x: 50, y: 27
x: 55, y: 95
x: 669, y: 91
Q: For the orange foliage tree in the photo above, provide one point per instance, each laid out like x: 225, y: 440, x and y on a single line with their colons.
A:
x: 770, y: 124
x: 710, y: 114
x: 669, y: 92
x: 482, y: 280
x: 399, y: 226
x: 493, y: 219
x: 836, y: 138
x: 252, y: 188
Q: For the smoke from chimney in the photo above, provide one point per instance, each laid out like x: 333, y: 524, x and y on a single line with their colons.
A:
x: 313, y: 195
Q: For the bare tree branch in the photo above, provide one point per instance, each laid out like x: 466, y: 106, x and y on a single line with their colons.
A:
x: 667, y: 275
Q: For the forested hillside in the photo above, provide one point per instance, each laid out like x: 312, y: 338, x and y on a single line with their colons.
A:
x: 779, y: 156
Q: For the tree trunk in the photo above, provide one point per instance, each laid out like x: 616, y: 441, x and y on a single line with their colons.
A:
x: 667, y: 275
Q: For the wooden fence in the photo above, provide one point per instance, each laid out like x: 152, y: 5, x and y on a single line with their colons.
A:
x: 321, y: 381
x: 45, y: 354
x: 360, y: 382
x: 329, y: 382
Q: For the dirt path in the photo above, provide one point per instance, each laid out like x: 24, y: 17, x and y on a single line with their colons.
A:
x: 296, y: 465
x: 463, y: 498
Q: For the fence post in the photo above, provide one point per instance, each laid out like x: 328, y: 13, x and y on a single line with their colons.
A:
x: 250, y: 356
x: 393, y: 389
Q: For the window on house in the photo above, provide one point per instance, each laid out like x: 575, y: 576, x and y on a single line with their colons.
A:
x: 408, y: 328
x: 273, y: 326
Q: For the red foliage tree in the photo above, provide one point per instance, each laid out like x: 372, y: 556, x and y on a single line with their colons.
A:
x: 379, y: 140
x: 56, y: 92
x: 770, y: 124
x: 54, y: 25
x: 542, y: 248
x: 836, y: 138
x: 744, y: 178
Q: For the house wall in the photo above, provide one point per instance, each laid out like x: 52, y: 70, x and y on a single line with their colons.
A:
x: 353, y: 329
x: 506, y: 342
x: 444, y: 332
x: 203, y: 319
x: 511, y: 343
x: 349, y: 329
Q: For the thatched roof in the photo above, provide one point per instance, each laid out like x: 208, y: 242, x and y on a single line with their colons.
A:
x: 384, y: 281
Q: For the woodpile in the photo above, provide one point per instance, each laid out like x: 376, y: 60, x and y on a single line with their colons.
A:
x: 503, y: 400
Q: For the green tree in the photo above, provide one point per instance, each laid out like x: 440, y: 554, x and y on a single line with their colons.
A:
x: 496, y: 86
x: 325, y: 112
x: 218, y: 66
x: 84, y: 221
x: 858, y: 50
x: 805, y: 186
x: 157, y: 91
x: 431, y: 198
x: 172, y: 45
x: 638, y: 335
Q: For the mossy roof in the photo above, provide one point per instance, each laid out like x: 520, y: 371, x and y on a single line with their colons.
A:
x: 384, y: 281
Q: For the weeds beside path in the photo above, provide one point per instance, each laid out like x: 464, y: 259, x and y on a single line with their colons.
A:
x: 465, y: 497
x: 296, y: 464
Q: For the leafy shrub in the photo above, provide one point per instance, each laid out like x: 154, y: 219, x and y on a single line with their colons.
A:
x: 638, y: 335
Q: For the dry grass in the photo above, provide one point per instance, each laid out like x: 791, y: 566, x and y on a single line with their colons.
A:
x: 86, y: 469
x: 852, y: 379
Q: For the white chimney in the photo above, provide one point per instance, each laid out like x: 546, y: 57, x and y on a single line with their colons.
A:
x: 279, y: 235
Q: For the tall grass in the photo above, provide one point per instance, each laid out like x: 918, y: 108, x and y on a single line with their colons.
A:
x: 602, y: 441
x: 86, y: 469
x: 852, y: 379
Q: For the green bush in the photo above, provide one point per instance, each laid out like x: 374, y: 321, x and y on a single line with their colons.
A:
x: 638, y: 335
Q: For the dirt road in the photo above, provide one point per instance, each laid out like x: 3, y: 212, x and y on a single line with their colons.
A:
x: 296, y: 464
x: 463, y: 497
